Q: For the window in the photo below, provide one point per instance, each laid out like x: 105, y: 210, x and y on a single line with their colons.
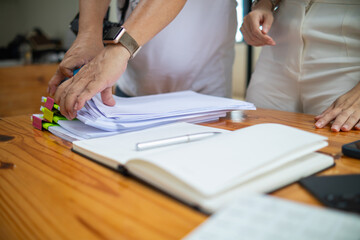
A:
x: 240, y: 16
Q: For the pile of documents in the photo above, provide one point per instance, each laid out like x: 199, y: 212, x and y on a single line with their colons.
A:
x: 136, y: 113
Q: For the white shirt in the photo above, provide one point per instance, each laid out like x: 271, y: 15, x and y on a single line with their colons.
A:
x: 194, y: 52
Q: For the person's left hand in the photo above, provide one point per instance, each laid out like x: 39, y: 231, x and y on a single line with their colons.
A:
x: 345, y: 112
x: 99, y: 75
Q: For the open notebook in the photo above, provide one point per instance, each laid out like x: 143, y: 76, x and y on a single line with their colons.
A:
x: 208, y: 173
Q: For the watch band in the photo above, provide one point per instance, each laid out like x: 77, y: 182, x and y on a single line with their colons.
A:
x: 118, y: 35
x: 129, y: 43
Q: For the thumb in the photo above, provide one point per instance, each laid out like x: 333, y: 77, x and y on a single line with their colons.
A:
x: 266, y: 25
x: 107, y: 97
x: 54, y: 82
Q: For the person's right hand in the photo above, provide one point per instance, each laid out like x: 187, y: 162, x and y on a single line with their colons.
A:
x: 261, y: 15
x: 82, y: 51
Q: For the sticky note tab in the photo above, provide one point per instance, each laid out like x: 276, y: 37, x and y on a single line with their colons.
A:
x: 49, y: 103
x: 48, y: 115
x: 46, y: 125
x: 57, y: 107
x: 58, y: 117
x: 37, y: 122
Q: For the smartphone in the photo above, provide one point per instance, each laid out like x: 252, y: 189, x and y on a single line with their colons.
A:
x: 352, y: 149
x: 336, y: 191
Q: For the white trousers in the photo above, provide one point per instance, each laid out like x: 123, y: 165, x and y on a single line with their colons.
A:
x: 315, y: 60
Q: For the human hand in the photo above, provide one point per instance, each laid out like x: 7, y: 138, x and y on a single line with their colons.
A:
x: 261, y: 15
x: 98, y: 75
x: 82, y: 51
x: 345, y: 112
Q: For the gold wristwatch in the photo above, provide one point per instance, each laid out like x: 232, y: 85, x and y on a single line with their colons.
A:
x: 116, y: 35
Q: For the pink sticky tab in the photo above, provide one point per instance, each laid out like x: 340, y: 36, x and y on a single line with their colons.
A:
x: 37, y: 122
x: 49, y: 103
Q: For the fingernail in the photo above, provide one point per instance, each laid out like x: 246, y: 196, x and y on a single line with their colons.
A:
x: 335, y: 129
x: 319, y: 124
x: 76, y: 106
x: 345, y: 128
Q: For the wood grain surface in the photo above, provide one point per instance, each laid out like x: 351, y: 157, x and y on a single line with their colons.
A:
x: 21, y: 88
x: 49, y: 192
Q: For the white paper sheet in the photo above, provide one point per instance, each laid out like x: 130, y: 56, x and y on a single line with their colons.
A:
x: 261, y: 217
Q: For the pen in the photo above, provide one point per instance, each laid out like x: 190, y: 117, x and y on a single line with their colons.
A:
x: 173, y: 140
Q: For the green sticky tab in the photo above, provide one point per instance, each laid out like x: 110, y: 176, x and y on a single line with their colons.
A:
x: 58, y: 117
x: 57, y: 107
x: 46, y: 125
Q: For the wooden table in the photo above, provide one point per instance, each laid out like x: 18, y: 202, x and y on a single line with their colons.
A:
x: 53, y: 193
x: 21, y: 88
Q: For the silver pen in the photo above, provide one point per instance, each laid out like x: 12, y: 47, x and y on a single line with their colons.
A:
x: 173, y: 140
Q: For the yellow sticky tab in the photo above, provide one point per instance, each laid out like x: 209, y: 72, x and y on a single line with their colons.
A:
x: 48, y: 115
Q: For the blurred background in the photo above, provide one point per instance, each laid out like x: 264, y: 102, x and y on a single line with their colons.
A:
x: 35, y: 36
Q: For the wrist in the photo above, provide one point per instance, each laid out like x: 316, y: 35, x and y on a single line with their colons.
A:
x: 118, y: 51
x: 90, y: 34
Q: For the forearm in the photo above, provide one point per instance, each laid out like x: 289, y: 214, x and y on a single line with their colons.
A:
x: 150, y: 17
x: 91, y: 17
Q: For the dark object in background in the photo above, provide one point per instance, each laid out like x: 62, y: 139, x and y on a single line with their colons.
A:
x: 40, y: 42
x: 12, y: 51
x: 36, y: 47
x: 335, y: 191
x: 74, y: 24
x: 352, y: 149
x: 44, y: 49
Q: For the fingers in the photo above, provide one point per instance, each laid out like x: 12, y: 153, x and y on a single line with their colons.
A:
x: 344, y: 112
x: 266, y: 28
x: 65, y: 70
x: 67, y: 95
x: 251, y: 29
x: 96, y: 76
x: 91, y: 89
x: 107, y: 97
x: 319, y: 124
x: 54, y: 82
x: 62, y: 95
x: 346, y: 121
x: 343, y: 120
x: 327, y: 117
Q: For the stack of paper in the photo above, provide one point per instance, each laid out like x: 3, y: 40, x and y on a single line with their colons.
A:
x: 136, y: 113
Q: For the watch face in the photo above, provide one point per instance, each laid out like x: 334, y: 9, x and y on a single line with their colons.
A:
x: 112, y: 33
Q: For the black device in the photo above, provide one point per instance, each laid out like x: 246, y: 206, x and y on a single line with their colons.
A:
x: 352, y: 149
x: 107, y: 25
x: 74, y: 24
x: 335, y: 191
